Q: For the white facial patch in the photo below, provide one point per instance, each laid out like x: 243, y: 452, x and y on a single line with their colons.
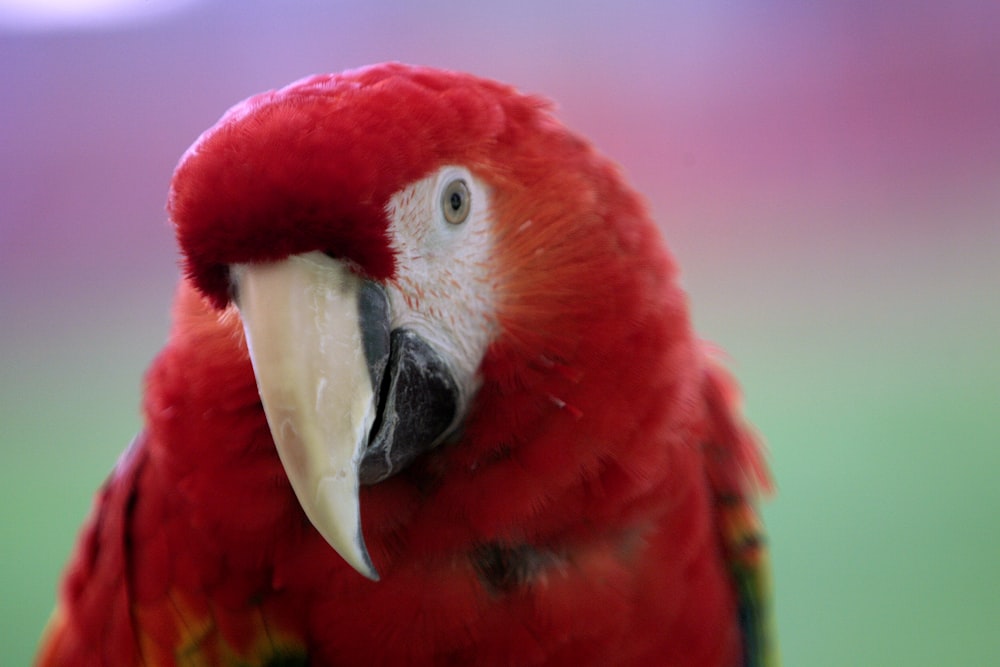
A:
x: 443, y: 288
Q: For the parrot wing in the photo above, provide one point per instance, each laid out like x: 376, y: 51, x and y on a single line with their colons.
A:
x: 154, y: 618
x: 736, y: 471
x: 94, y: 593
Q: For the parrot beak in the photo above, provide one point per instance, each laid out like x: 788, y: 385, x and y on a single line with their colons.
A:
x: 347, y: 401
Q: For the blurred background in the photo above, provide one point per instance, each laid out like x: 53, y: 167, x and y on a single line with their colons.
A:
x: 827, y: 173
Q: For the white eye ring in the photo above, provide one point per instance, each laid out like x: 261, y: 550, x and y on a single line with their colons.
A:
x: 456, y: 201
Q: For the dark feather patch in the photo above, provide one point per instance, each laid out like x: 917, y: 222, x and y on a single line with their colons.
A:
x: 505, y: 568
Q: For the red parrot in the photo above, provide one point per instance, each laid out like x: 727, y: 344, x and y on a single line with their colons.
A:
x: 431, y: 396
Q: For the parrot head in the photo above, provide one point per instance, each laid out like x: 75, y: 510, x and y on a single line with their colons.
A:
x: 403, y: 246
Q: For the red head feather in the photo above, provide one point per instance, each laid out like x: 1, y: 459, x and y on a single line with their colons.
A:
x: 312, y: 166
x: 581, y: 275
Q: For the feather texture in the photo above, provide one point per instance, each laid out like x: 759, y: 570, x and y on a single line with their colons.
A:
x: 597, y: 506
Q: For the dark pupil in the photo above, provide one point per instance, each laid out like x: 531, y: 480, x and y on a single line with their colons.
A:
x: 455, y: 201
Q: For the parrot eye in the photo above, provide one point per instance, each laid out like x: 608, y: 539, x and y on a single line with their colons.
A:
x: 455, y: 201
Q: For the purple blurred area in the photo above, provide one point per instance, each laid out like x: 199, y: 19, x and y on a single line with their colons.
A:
x: 828, y: 175
x: 734, y: 104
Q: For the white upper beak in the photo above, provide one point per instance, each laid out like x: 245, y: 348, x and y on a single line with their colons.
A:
x: 302, y: 324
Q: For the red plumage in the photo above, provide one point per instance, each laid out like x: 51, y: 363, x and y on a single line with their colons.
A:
x: 577, y: 520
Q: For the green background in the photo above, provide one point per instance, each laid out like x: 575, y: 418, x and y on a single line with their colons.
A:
x: 827, y: 178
